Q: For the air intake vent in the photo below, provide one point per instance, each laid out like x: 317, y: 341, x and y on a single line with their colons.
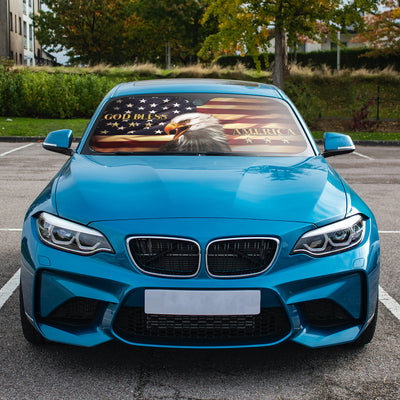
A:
x: 133, y: 325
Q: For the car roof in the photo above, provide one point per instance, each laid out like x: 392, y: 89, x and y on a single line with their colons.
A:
x: 196, y: 86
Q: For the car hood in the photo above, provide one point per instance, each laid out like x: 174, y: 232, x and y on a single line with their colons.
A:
x: 95, y: 188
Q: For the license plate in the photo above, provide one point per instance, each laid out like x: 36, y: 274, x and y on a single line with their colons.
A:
x: 202, y: 302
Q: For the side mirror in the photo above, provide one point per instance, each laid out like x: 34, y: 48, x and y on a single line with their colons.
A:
x: 337, y: 143
x: 59, y: 141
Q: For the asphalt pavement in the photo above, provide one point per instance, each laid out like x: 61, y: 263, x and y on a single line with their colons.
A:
x: 117, y: 371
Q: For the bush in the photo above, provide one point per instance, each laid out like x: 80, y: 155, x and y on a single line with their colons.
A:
x: 43, y: 95
x: 309, y: 105
x: 349, y: 59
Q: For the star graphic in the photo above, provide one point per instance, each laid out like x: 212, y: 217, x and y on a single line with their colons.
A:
x: 132, y: 124
x: 267, y: 140
x: 153, y: 105
x: 128, y: 111
x: 121, y: 128
x: 158, y: 132
x: 249, y: 139
x: 176, y: 112
x: 143, y: 100
x: 284, y: 140
x: 119, y: 101
x: 104, y: 132
x: 176, y: 105
x: 166, y: 100
x: 130, y: 105
x: 115, y: 124
x: 116, y: 108
x: 140, y: 108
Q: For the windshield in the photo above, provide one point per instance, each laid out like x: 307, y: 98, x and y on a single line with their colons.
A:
x: 196, y: 123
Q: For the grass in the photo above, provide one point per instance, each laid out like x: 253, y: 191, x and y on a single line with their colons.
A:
x: 41, y: 127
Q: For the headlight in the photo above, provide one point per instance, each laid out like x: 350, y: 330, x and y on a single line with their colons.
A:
x: 333, y: 238
x: 69, y: 236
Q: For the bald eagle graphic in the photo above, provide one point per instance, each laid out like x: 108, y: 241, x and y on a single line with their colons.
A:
x: 196, y: 132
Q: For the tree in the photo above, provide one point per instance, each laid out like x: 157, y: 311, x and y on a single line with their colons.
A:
x: 177, y: 22
x: 248, y: 26
x: 382, y: 32
x: 121, y: 31
x: 92, y: 31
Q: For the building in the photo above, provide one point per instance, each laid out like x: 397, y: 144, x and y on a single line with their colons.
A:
x: 17, y: 35
x: 348, y: 40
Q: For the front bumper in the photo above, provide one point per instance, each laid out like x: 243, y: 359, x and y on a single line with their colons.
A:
x: 91, y: 300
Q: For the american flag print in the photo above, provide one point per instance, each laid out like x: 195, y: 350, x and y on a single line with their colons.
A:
x: 253, y: 124
x: 141, y: 115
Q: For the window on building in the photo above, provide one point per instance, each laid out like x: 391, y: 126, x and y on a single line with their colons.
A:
x: 20, y: 59
x: 30, y: 37
x: 25, y: 36
x: 20, y: 25
x: 11, y: 22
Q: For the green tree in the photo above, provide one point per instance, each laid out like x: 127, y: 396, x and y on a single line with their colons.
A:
x: 92, y: 31
x: 248, y: 26
x: 121, y: 31
x: 177, y: 22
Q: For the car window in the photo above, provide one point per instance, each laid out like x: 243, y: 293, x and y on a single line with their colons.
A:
x: 198, y: 124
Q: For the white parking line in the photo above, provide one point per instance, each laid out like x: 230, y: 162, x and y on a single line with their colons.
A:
x: 362, y: 155
x: 389, y: 302
x: 10, y: 230
x: 9, y: 288
x: 18, y: 148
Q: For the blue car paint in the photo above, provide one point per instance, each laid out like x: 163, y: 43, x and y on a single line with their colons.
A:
x: 200, y: 187
x: 200, y: 198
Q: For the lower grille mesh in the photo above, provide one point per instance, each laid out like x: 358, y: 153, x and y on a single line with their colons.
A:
x: 76, y: 312
x: 325, y: 313
x: 132, y: 324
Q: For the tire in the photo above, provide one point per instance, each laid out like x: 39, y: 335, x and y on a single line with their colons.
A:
x: 369, y: 331
x: 29, y: 332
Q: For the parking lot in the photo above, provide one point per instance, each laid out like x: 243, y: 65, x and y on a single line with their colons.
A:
x: 117, y: 371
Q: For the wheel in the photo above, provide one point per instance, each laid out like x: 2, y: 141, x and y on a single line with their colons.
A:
x: 29, y: 332
x: 369, y: 331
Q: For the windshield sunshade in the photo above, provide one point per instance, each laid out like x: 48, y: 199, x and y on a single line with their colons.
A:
x: 175, y: 124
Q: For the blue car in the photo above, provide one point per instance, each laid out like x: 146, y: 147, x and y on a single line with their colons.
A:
x: 198, y: 214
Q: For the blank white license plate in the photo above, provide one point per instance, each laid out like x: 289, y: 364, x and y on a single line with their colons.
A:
x: 202, y: 302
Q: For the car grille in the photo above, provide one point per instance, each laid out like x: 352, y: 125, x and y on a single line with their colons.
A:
x: 244, y: 256
x: 133, y: 325
x: 165, y: 256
